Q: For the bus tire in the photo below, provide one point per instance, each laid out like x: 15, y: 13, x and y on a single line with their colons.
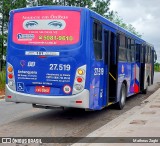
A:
x: 122, y: 101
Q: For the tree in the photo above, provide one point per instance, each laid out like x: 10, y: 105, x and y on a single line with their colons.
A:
x: 3, y: 23
x: 102, y: 8
x: 119, y: 21
x: 46, y: 2
x: 81, y: 3
x: 157, y: 66
x: 5, y: 7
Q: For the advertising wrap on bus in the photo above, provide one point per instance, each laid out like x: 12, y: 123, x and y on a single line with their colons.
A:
x: 42, y: 58
x: 49, y: 27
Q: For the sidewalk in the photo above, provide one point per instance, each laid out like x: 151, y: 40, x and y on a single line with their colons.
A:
x: 141, y: 121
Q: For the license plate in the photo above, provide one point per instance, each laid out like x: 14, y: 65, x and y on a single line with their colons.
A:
x: 42, y: 89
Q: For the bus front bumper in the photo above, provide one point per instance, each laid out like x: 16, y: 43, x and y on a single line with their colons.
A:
x: 64, y: 101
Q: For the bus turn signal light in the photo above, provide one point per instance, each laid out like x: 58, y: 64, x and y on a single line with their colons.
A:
x: 80, y: 72
x: 10, y: 69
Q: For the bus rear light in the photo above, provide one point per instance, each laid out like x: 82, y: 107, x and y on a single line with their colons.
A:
x: 10, y: 83
x: 78, y: 87
x: 10, y: 76
x: 9, y: 96
x: 79, y: 101
x: 10, y: 68
x: 79, y: 79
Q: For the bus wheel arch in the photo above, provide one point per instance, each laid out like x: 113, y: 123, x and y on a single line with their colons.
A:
x: 125, y: 82
x: 123, y: 94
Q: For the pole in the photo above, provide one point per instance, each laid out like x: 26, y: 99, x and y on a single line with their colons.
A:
x: 2, y: 45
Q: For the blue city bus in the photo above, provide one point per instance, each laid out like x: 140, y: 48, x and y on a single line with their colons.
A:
x: 73, y: 57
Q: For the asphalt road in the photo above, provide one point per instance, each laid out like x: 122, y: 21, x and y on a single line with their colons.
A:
x: 23, y: 120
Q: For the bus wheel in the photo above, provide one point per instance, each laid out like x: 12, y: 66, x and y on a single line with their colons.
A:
x: 122, y: 101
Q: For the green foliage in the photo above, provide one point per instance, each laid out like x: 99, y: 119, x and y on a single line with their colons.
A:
x: 2, y: 80
x: 157, y: 67
x: 102, y: 7
x: 119, y: 21
x: 82, y: 3
x: 46, y: 2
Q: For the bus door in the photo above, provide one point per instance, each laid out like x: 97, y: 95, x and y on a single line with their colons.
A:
x: 100, y: 67
x: 99, y: 79
x: 110, y: 67
x: 142, y: 67
x: 137, y: 69
x: 106, y: 50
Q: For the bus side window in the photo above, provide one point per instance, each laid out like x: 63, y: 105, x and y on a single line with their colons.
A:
x: 128, y: 46
x: 143, y: 54
x: 97, y: 36
x: 138, y: 47
x: 149, y: 55
x: 122, y: 50
x: 133, y: 50
x: 146, y: 54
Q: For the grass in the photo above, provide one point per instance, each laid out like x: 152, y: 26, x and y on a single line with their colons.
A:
x: 157, y: 69
x: 2, y: 80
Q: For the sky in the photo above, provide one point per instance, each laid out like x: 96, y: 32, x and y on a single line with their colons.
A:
x: 144, y: 15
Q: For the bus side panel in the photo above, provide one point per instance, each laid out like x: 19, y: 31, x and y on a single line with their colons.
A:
x: 97, y: 77
x: 129, y: 74
x: 96, y: 87
x: 137, y: 78
x: 124, y: 74
x: 135, y: 84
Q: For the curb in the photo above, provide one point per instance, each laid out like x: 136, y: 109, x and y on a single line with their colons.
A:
x: 127, y: 115
x: 138, y: 121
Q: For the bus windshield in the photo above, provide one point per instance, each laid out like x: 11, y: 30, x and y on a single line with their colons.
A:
x: 46, y: 27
